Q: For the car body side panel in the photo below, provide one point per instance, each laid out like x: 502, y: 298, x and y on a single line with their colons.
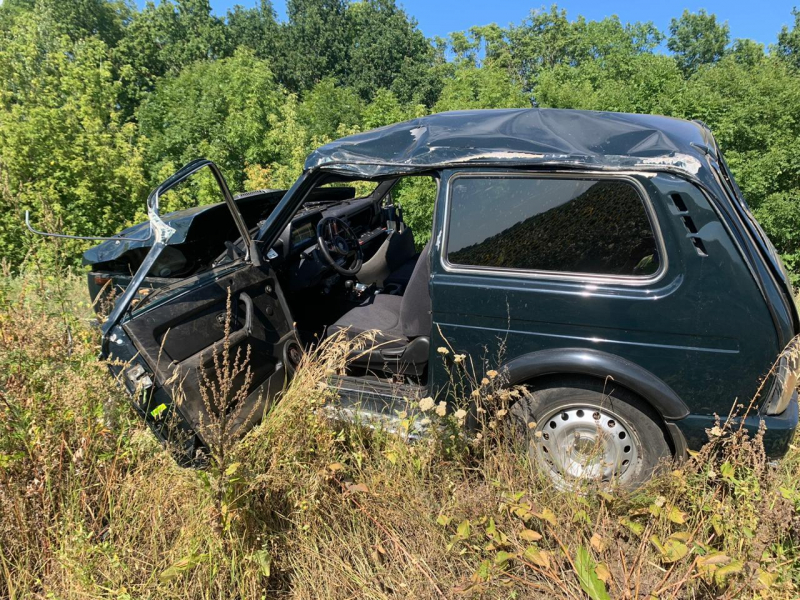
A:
x: 702, y: 327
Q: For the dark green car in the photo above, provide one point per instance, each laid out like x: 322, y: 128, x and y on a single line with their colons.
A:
x: 606, y: 262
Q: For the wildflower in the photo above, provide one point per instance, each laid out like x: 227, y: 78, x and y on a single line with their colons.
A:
x: 501, y: 413
x: 442, y: 350
x: 425, y: 422
x: 538, y: 434
x: 475, y: 393
x: 441, y: 409
x: 481, y: 410
x: 532, y: 425
x: 715, y: 431
x: 712, y: 474
x: 659, y: 502
x: 426, y: 404
x: 492, y: 374
x: 459, y: 358
x: 460, y: 414
x: 484, y: 381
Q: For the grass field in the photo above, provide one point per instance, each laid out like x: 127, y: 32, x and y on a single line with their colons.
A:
x: 92, y: 507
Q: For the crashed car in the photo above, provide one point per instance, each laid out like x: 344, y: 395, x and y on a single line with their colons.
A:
x: 610, y: 256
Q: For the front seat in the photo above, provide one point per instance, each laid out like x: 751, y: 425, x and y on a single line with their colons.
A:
x: 393, y: 263
x: 402, y: 325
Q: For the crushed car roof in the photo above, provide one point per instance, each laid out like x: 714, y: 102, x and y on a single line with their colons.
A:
x: 519, y: 136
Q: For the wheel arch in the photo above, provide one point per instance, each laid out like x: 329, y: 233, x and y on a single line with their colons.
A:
x: 545, y: 364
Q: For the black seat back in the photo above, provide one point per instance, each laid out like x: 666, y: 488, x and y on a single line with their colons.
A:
x: 415, y: 308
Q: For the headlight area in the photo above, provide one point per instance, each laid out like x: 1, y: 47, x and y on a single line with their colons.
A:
x: 786, y: 377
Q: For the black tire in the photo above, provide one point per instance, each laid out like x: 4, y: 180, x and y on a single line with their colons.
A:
x: 626, y: 454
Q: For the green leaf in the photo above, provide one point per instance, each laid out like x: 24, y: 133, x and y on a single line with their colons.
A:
x: 530, y: 536
x: 676, y: 515
x: 636, y: 528
x: 264, y: 561
x: 538, y: 557
x: 766, y: 579
x: 672, y: 550
x: 443, y: 520
x: 183, y: 565
x: 547, y: 515
x: 733, y: 567
x: 727, y: 470
x: 587, y: 576
x: 581, y: 516
x: 464, y: 529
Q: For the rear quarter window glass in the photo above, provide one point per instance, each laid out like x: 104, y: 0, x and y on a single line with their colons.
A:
x: 566, y: 225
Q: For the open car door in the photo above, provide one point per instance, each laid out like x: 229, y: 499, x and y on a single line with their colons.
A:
x: 171, y: 349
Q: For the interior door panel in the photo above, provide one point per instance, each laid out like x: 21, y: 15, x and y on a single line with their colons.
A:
x: 183, y: 341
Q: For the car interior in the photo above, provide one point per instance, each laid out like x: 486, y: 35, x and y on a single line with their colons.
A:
x: 347, y: 263
x: 351, y: 266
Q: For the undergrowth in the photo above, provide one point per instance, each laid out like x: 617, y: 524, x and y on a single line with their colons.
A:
x: 305, y: 507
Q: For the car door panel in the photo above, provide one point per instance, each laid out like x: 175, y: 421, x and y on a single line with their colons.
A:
x: 183, y: 341
x: 175, y: 349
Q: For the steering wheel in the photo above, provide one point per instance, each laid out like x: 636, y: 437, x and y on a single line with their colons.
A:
x: 339, y: 246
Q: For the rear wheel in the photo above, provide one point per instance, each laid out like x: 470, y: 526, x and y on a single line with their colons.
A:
x: 578, y: 432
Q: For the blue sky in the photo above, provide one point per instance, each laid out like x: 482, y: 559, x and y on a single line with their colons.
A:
x: 760, y: 21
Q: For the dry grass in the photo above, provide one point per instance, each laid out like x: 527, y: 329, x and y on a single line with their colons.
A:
x: 92, y: 507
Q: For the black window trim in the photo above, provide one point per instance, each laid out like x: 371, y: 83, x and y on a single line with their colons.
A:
x: 590, y: 278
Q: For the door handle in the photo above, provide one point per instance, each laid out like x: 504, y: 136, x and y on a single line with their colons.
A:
x: 240, y: 334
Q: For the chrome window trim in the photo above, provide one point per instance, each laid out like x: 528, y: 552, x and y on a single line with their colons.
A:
x: 587, y: 278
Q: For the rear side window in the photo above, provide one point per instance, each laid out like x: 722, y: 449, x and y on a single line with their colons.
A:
x: 589, y: 226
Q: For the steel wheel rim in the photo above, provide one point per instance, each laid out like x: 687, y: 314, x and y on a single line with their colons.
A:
x: 585, y: 443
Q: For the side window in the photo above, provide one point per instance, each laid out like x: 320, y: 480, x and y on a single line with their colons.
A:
x: 566, y: 225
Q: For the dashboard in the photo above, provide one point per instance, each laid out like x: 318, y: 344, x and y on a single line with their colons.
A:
x: 294, y: 254
x: 302, y: 233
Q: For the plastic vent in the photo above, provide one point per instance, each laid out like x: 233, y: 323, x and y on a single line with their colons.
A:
x: 688, y: 223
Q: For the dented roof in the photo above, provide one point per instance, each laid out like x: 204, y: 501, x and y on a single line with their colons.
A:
x: 539, y: 136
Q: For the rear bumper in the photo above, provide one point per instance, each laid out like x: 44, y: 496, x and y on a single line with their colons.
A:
x: 780, y: 429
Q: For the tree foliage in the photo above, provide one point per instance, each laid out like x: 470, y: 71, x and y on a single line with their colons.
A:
x: 99, y: 99
x: 697, y: 39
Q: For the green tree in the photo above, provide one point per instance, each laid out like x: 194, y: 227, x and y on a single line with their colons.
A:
x: 644, y: 83
x: 255, y: 28
x: 163, y: 39
x: 78, y: 19
x: 219, y: 110
x: 329, y: 111
x: 472, y: 87
x: 697, y: 39
x: 65, y: 152
x: 388, y: 51
x: 788, y: 46
x: 315, y: 39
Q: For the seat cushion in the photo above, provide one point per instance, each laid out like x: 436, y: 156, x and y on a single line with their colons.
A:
x: 381, y: 314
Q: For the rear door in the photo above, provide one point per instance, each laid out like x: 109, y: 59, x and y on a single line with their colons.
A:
x: 208, y: 352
